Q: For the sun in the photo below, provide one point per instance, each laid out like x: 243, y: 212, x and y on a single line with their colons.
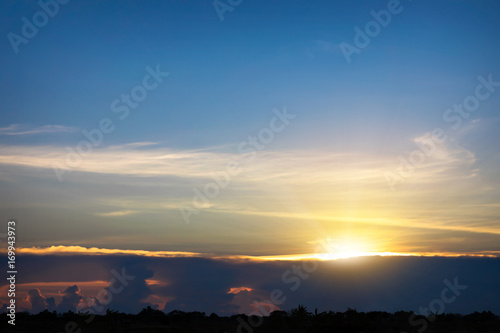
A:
x: 332, y: 249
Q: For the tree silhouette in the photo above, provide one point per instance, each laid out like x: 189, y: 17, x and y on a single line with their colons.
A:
x: 297, y: 320
x: 300, y: 312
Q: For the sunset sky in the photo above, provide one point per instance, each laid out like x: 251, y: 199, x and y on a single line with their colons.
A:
x: 136, y: 133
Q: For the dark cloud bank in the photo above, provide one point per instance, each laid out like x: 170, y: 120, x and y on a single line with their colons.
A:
x: 194, y: 284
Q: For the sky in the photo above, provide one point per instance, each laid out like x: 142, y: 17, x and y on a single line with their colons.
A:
x: 231, y: 134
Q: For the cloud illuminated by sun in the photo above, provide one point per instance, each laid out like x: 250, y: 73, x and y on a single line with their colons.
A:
x: 238, y: 290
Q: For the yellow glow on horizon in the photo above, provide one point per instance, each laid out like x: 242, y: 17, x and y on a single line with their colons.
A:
x: 328, y: 250
x: 346, y: 247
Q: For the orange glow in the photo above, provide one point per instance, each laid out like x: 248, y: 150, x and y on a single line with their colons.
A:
x: 54, y: 288
x: 68, y: 250
x: 151, y: 282
x: 238, y: 290
x: 158, y: 301
x: 97, y: 283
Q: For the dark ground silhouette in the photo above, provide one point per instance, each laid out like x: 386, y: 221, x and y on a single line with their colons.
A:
x: 295, y: 320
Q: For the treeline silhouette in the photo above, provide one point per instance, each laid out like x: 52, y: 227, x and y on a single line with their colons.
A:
x: 150, y: 320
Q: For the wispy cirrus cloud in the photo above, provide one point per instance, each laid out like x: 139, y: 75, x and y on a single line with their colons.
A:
x: 135, y: 145
x: 18, y: 129
x: 117, y: 213
x: 295, y: 166
x: 332, y: 191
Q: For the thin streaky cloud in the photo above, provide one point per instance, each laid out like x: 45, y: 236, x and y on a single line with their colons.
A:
x: 379, y: 221
x: 117, y: 213
x: 61, y: 249
x: 17, y: 129
x: 135, y: 145
x: 288, y: 166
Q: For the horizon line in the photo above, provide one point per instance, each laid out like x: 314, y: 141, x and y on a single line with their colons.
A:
x: 81, y: 250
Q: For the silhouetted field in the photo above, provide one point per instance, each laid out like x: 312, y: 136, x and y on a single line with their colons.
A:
x: 297, y: 320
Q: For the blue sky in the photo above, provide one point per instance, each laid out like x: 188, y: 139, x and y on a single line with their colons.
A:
x: 332, y: 174
x: 258, y: 58
x: 225, y: 78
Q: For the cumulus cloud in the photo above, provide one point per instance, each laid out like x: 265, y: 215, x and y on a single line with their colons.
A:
x: 250, y: 301
x: 71, y: 299
x: 51, y: 303
x: 37, y: 300
x: 197, y: 284
x: 128, y: 291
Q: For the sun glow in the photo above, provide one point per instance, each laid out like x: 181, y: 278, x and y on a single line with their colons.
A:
x: 345, y: 248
